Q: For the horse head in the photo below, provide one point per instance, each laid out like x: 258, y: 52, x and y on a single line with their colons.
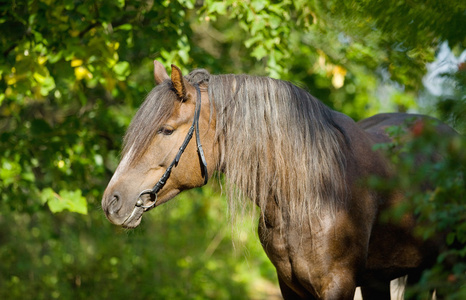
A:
x: 159, y: 159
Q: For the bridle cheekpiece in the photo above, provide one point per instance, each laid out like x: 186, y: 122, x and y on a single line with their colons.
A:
x: 194, y: 127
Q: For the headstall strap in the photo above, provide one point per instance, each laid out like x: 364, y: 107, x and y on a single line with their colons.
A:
x: 194, y: 127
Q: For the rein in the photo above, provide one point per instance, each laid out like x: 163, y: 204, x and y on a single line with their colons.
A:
x: 194, y: 127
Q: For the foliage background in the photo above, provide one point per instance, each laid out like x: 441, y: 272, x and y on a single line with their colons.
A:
x: 73, y: 72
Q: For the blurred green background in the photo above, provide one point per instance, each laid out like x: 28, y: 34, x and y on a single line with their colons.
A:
x: 73, y: 73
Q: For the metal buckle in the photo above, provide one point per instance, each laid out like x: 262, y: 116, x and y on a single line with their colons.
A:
x: 140, y: 202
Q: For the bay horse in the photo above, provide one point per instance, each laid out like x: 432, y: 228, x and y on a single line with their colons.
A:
x: 301, y: 163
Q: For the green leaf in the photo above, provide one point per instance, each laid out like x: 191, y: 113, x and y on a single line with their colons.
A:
x: 451, y: 238
x: 218, y: 7
x: 259, y: 37
x: 9, y: 171
x: 125, y: 27
x: 65, y: 200
x: 259, y: 52
x: 122, y: 69
x: 258, y: 5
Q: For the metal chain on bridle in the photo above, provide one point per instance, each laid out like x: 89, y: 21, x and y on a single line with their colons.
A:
x: 194, y: 127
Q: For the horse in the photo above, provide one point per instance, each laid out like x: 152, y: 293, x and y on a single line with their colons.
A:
x: 301, y: 163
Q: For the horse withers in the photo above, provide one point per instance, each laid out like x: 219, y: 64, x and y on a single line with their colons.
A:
x: 300, y: 162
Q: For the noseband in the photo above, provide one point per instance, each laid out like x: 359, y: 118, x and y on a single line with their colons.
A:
x: 194, y: 127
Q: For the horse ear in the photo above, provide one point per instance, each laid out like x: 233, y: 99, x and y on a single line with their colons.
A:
x: 179, y: 82
x: 160, y: 74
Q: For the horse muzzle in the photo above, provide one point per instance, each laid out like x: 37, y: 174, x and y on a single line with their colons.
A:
x: 120, y: 214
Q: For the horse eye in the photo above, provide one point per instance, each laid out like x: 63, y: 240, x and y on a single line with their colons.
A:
x: 166, y: 131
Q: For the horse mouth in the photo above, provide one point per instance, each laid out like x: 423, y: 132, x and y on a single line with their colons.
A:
x: 134, y: 219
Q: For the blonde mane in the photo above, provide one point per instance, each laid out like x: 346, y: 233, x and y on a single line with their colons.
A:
x: 278, y: 143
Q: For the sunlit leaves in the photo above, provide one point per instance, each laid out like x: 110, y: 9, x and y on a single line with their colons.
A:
x: 263, y: 22
x: 63, y: 64
x: 364, y: 38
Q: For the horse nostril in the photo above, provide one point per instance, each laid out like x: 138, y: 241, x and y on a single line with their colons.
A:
x: 114, y: 204
x: 114, y: 200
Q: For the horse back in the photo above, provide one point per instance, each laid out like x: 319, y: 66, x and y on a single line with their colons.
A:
x: 377, y: 125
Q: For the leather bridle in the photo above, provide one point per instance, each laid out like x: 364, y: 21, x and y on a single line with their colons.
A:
x: 194, y: 127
